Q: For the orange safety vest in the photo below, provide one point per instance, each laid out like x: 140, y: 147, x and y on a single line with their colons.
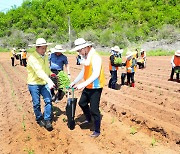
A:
x: 129, y: 64
x: 24, y: 55
x: 112, y: 68
x: 97, y: 83
x: 177, y: 60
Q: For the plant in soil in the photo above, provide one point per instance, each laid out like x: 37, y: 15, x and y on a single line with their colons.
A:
x: 133, y: 130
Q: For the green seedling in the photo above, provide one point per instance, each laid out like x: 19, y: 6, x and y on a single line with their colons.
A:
x: 64, y: 120
x: 28, y: 138
x: 23, y: 124
x: 29, y: 151
x: 154, y: 141
x: 133, y: 130
x: 113, y: 120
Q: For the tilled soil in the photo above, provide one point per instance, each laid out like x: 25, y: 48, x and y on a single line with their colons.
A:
x: 144, y: 119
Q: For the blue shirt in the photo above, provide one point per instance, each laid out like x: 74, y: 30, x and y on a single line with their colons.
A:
x: 57, y: 62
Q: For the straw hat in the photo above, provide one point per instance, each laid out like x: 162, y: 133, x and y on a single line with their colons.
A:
x: 80, y: 43
x: 177, y: 53
x: 57, y: 48
x: 129, y: 54
x: 141, y: 50
x: 116, y: 48
x: 40, y: 42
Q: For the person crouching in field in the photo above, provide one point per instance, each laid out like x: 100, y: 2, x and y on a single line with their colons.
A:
x: 39, y: 83
x: 115, y: 53
x: 175, y: 62
x: 130, y: 68
x: 93, y: 74
x: 12, y: 55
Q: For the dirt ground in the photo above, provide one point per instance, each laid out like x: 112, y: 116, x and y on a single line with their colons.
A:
x: 140, y: 120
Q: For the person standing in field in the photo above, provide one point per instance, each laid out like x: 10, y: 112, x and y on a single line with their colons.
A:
x: 130, y: 68
x: 175, y: 62
x: 93, y: 74
x: 113, y: 68
x: 39, y: 83
x: 57, y: 62
x: 12, y: 55
x: 24, y: 57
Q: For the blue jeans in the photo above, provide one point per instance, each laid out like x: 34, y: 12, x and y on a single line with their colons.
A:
x: 36, y: 91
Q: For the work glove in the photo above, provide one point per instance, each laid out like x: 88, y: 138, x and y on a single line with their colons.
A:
x: 53, y: 75
x: 51, y: 84
x: 129, y: 68
x: 79, y: 86
x: 71, y: 84
x: 173, y: 65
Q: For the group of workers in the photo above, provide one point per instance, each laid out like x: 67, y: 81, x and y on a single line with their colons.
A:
x: 41, y: 67
x: 21, y: 56
x: 132, y: 60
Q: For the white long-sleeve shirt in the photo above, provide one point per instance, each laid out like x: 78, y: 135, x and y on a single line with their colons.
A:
x: 96, y: 66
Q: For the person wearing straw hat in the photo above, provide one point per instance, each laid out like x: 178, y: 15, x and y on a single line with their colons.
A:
x: 130, y: 68
x: 93, y: 74
x: 175, y: 62
x: 39, y: 83
x: 115, y: 53
x: 57, y: 62
x: 12, y: 55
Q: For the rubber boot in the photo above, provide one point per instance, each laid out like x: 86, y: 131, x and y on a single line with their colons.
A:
x: 132, y: 84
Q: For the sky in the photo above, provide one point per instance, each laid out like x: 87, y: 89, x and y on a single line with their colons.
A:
x: 6, y: 4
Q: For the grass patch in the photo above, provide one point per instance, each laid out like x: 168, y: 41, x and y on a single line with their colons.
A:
x: 133, y: 130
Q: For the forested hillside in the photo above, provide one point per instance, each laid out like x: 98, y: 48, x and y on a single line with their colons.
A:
x: 106, y: 22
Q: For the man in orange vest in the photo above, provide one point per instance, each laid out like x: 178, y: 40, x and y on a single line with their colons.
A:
x: 93, y: 74
x: 130, y: 68
x: 24, y: 57
x: 175, y: 62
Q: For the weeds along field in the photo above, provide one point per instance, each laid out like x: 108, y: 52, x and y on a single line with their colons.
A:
x: 141, y: 120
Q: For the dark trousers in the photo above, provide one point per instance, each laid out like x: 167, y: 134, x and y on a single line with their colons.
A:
x: 91, y: 96
x: 172, y: 74
x: 113, y: 80
x: 130, y: 77
x: 24, y: 62
x: 12, y: 61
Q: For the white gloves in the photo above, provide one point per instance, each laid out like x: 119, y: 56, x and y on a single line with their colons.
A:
x: 79, y: 86
x: 173, y: 65
x: 129, y: 68
x: 50, y: 83
x: 72, y: 84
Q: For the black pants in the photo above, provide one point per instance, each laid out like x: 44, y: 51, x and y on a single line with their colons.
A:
x: 24, y: 62
x: 113, y: 80
x: 172, y: 74
x: 130, y: 76
x: 12, y: 61
x: 91, y: 96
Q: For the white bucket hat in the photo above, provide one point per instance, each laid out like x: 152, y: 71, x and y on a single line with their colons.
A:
x: 57, y: 48
x: 80, y: 43
x: 141, y: 50
x: 129, y: 54
x: 40, y: 42
x: 177, y: 53
x: 116, y: 48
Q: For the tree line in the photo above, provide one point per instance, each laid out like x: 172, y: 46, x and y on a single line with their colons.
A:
x: 106, y: 22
